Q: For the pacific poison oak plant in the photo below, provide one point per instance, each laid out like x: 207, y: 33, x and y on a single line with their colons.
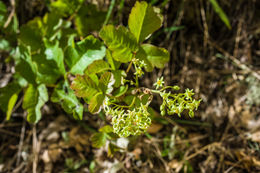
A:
x: 106, y: 73
x: 105, y: 86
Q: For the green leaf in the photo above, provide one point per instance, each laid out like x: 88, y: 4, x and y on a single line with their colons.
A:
x: 110, y: 59
x: 89, y: 18
x: 173, y: 28
x: 4, y: 44
x: 141, y: 55
x: 113, y: 63
x: 84, y: 53
x: 120, y: 91
x: 95, y: 103
x: 11, y: 104
x: 12, y: 27
x: 65, y: 96
x: 99, y: 139
x: 129, y: 99
x: 6, y: 93
x: 84, y: 86
x: 169, y: 30
x: 67, y: 38
x: 155, y: 55
x: 106, y: 129
x: 94, y: 77
x: 220, y: 13
x: 66, y: 7
x: 52, y: 24
x: 31, y: 34
x: 112, y: 149
x: 47, y: 70
x: 25, y: 66
x: 34, y: 98
x: 119, y: 75
x: 144, y: 20
x: 106, y: 82
x: 120, y: 41
x: 20, y: 80
x: 53, y: 52
x: 98, y: 66
x: 26, y: 70
x: 3, y: 9
x: 3, y: 12
x: 110, y: 9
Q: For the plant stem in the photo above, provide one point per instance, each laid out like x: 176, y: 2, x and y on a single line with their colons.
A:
x: 129, y: 67
x: 123, y: 106
x: 155, y: 91
x: 164, y: 88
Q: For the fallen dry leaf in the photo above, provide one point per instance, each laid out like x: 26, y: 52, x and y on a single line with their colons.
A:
x: 176, y: 165
x: 256, y: 162
x: 137, y: 152
x: 45, y: 157
x: 54, y: 151
x: 246, y: 116
x: 54, y: 136
x: 256, y: 136
x: 154, y: 128
x: 78, y: 140
x: 246, y: 160
x: 48, y: 165
x: 1, y: 167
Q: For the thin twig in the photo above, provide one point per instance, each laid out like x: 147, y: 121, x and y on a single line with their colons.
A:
x: 201, y: 150
x: 129, y: 67
x: 110, y: 9
x: 35, y: 149
x: 158, y: 154
x: 9, y: 133
x: 10, y: 124
x: 9, y: 19
x: 175, y: 124
x: 234, y: 165
x: 236, y: 61
x: 177, y: 22
x: 205, y: 25
x: 17, y: 105
x: 21, y: 141
x: 238, y: 37
x: 19, y: 168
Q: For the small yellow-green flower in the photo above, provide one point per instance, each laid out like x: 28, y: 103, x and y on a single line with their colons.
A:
x: 139, y: 72
x: 188, y: 93
x: 159, y: 83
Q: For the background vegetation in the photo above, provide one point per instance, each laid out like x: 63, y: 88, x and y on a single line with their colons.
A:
x: 214, y: 48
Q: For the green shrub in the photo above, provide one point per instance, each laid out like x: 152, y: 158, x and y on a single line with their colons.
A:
x: 47, y: 55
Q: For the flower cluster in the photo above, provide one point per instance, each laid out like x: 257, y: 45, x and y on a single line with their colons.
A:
x: 134, y: 120
x: 129, y: 122
x: 176, y: 103
x: 138, y: 67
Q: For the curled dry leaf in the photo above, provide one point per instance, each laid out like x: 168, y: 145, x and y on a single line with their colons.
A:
x: 154, y: 128
x: 137, y: 152
x: 54, y: 152
x: 176, y: 165
x: 256, y: 136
